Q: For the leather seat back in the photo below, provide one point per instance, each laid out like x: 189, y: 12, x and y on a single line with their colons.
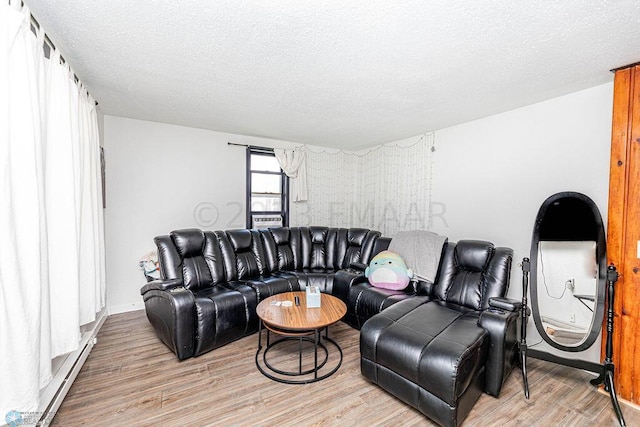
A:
x: 207, y: 258
x: 168, y: 258
x: 358, y: 246
x: 471, y: 272
x: 192, y: 255
x: 310, y: 246
x: 243, y: 252
x: 277, y: 248
x: 330, y: 248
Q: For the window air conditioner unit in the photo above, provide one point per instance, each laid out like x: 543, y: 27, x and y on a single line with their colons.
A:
x: 265, y: 221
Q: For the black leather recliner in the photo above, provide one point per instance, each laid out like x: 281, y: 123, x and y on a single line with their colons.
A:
x: 440, y: 349
x: 197, y: 306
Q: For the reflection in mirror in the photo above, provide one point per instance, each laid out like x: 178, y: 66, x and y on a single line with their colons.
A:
x: 568, y: 274
x: 568, y: 271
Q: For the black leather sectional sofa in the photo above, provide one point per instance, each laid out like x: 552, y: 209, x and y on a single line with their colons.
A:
x: 436, y: 346
x: 212, y: 281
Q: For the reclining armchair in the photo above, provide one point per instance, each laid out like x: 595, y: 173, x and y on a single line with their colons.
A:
x: 439, y: 350
x: 194, y: 308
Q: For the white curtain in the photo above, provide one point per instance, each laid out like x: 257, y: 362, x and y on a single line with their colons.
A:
x: 62, y: 166
x: 294, y: 164
x: 331, y: 190
x: 51, y: 231
x: 387, y: 188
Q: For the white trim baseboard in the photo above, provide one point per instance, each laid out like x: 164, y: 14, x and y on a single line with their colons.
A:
x: 125, y: 308
x: 54, y: 393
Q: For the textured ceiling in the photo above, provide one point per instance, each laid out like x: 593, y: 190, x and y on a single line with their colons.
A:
x: 334, y: 72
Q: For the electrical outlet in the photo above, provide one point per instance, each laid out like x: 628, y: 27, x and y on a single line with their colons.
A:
x: 571, y: 284
x: 572, y: 317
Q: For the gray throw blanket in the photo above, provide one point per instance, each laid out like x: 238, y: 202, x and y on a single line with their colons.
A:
x: 421, y: 251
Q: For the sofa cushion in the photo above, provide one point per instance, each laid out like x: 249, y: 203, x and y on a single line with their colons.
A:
x: 195, y: 271
x: 473, y: 255
x: 472, y: 272
x: 365, y: 301
x: 277, y: 248
x: 222, y: 315
x: 313, y: 244
x: 247, y: 250
x: 268, y: 285
x: 319, y: 277
x: 189, y: 243
x: 433, y: 346
x: 356, y: 246
x: 243, y: 254
x: 168, y: 258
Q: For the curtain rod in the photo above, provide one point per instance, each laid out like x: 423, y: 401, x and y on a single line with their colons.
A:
x: 625, y: 66
x: 256, y: 147
x: 48, y: 41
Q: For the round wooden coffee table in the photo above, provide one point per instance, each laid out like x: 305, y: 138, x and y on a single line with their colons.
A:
x: 298, y: 323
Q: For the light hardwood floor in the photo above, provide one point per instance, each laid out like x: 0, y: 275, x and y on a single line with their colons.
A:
x: 132, y: 379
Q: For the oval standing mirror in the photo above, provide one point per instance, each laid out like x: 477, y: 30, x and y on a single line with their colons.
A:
x: 568, y: 271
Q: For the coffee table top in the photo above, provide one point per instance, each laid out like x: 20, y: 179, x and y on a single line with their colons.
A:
x: 300, y: 318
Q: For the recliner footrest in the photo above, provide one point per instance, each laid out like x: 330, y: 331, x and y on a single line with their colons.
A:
x: 439, y: 351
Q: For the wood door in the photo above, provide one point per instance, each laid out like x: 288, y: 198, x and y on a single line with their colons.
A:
x: 623, y: 240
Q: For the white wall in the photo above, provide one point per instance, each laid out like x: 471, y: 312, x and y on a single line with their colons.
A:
x: 161, y: 178
x: 491, y: 175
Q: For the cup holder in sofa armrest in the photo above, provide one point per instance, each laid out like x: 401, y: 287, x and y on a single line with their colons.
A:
x: 506, y: 304
x: 161, y: 285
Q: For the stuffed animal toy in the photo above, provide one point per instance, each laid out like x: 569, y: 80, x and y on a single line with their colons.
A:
x: 388, y: 270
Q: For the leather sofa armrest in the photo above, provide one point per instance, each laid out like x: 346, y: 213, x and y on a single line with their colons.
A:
x: 161, y: 285
x: 344, y: 280
x: 358, y: 266
x: 502, y: 327
x: 172, y: 314
x: 506, y: 304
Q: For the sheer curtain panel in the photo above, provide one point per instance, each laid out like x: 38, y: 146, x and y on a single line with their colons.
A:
x: 51, y: 245
x: 387, y: 188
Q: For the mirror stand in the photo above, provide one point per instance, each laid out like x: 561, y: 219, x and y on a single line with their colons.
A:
x: 604, y: 369
x: 524, y: 315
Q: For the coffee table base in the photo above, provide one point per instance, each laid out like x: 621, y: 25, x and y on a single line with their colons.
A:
x: 314, y: 336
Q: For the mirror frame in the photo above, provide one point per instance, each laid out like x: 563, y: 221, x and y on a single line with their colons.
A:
x: 601, y: 259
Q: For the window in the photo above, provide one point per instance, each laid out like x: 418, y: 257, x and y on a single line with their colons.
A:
x: 267, y: 190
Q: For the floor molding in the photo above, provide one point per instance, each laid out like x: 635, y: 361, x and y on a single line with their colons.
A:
x: 125, y: 308
x: 54, y: 393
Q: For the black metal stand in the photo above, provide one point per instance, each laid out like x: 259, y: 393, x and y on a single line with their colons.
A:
x: 606, y: 374
x: 605, y: 369
x: 313, y: 336
x: 524, y: 314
